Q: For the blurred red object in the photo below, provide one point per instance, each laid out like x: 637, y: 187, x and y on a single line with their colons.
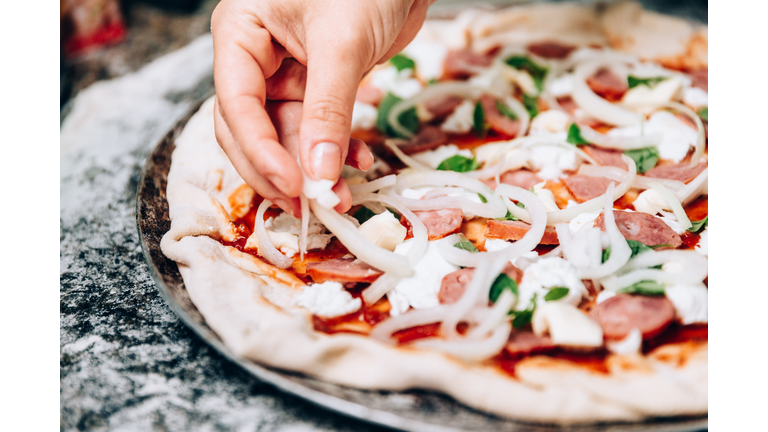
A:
x: 90, y: 24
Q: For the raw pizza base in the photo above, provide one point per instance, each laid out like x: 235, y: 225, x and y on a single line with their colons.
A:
x: 249, y: 305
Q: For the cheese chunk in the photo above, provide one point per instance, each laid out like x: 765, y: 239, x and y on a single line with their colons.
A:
x: 550, y: 121
x: 566, y: 325
x: 691, y: 302
x: 399, y: 83
x: 547, y: 273
x: 461, y: 119
x: 663, y: 92
x: 429, y: 57
x: 629, y: 345
x: 363, y: 116
x: 550, y: 161
x: 384, y: 231
x: 327, y: 299
x: 433, y: 158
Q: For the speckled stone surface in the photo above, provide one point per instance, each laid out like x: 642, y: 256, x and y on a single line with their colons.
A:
x: 127, y: 362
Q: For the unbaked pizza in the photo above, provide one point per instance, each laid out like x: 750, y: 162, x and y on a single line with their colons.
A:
x: 531, y: 240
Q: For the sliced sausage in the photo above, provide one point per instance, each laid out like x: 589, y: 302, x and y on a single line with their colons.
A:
x: 439, y: 223
x: 584, y: 188
x: 429, y: 137
x: 568, y: 104
x: 498, y: 121
x: 647, y: 229
x: 700, y: 78
x: 621, y: 313
x: 551, y: 49
x: 521, y: 178
x: 605, y: 157
x: 680, y: 171
x: 607, y: 85
x: 454, y: 284
x: 515, y: 230
x: 442, y: 106
x: 369, y: 94
x: 525, y: 343
x: 461, y: 64
x: 342, y: 270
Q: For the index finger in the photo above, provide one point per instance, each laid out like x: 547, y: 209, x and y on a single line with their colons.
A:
x: 244, y: 56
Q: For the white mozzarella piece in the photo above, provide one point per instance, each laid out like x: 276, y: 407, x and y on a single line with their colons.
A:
x: 461, y: 119
x: 383, y: 230
x: 322, y: 191
x: 433, y: 158
x: 550, y: 161
x: 561, y: 86
x: 703, y: 246
x: 399, y: 83
x: 661, y: 93
x: 416, y: 193
x: 676, y: 135
x: 604, y: 295
x: 630, y: 345
x: 363, y: 116
x: 566, y: 325
x: 285, y: 242
x: 649, y: 201
x: 547, y: 273
x: 327, y: 299
x: 695, y: 97
x: 492, y: 79
x: 490, y: 153
x: 523, y: 79
x: 671, y: 220
x: 690, y: 302
x: 421, y: 289
x: 550, y: 121
x: 546, y: 196
x: 284, y: 230
x: 429, y: 57
x: 582, y: 220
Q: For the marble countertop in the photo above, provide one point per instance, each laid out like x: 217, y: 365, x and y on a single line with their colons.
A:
x: 126, y: 361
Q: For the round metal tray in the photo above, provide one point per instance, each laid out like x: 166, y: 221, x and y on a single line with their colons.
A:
x: 413, y: 410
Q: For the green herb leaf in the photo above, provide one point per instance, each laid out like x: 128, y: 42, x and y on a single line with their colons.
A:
x: 458, y: 163
x: 466, y: 245
x: 574, y: 135
x: 633, y: 82
x: 636, y: 247
x: 505, y: 110
x: 534, y: 70
x: 697, y: 226
x: 520, y: 204
x: 408, y: 118
x: 531, y: 105
x: 649, y: 288
x: 363, y: 214
x: 397, y: 215
x: 432, y: 81
x: 400, y: 61
x: 703, y: 114
x: 522, y: 319
x: 556, y: 293
x: 509, y: 216
x: 482, y: 198
x: 654, y: 247
x: 501, y: 283
x: 645, y: 158
x: 478, y: 121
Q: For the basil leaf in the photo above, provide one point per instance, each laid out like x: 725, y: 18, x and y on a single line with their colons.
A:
x: 363, y: 214
x: 397, y: 215
x: 556, y: 293
x: 505, y: 110
x: 649, y: 288
x: 501, y: 283
x: 466, y: 245
x: 531, y: 105
x: 432, y: 81
x: 633, y: 82
x: 645, y: 158
x: 636, y: 247
x: 703, y: 114
x: 520, y: 204
x: 478, y: 121
x: 574, y: 135
x: 698, y: 225
x: 509, y: 216
x: 482, y: 199
x: 408, y: 118
x: 654, y: 247
x: 400, y: 61
x: 458, y: 163
x: 534, y: 70
x: 522, y: 319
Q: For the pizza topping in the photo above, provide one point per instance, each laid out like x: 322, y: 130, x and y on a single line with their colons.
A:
x: 678, y: 267
x: 605, y: 157
x: 682, y: 172
x: 695, y: 98
x: 630, y: 345
x: 607, y: 85
x: 623, y: 312
x: 548, y: 273
x: 585, y: 188
x: 566, y: 325
x: 498, y: 121
x: 620, y: 139
x: 703, y: 246
x: 399, y: 82
x: 321, y: 191
x: 461, y: 64
x: 515, y: 230
x: 551, y: 49
x: 596, y: 106
x: 440, y: 223
x: 383, y: 230
x: 363, y: 116
x: 342, y: 270
x: 642, y: 227
x: 327, y: 299
x: 690, y: 301
x: 522, y: 178
x: 550, y: 121
x: 644, y: 95
x: 428, y: 56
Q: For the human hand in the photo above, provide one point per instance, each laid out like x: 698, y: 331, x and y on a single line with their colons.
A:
x: 299, y: 50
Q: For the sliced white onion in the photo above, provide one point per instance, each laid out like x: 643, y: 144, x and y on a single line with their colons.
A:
x: 619, y: 143
x: 618, y: 174
x: 526, y: 244
x: 566, y: 215
x: 305, y: 215
x: 701, y: 140
x: 374, y: 185
x: 450, y: 88
x: 493, y: 208
x: 596, y: 106
x: 674, y: 204
x: 361, y: 247
x: 692, y: 269
x: 407, y: 160
x: 266, y: 248
x: 620, y: 251
x: 470, y: 350
x: 519, y: 110
x: 697, y: 187
x: 496, y: 316
x: 506, y: 163
x: 414, y: 317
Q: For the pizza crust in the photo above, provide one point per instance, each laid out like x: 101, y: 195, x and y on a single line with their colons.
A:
x: 248, y: 303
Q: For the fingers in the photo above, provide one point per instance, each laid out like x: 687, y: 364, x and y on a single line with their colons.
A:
x: 288, y: 82
x: 244, y: 56
x: 416, y: 17
x: 345, y: 195
x: 358, y: 155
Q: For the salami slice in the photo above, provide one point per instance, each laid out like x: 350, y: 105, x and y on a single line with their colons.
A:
x: 680, y: 171
x: 439, y: 223
x: 700, y: 78
x: 429, y: 137
x: 442, y: 106
x: 584, y: 188
x: 621, y: 313
x: 342, y: 270
x: 551, y: 49
x: 454, y: 284
x: 525, y: 342
x: 521, y: 178
x: 498, y: 121
x: 461, y: 64
x: 515, y: 230
x: 648, y: 230
x: 605, y: 157
x: 607, y: 85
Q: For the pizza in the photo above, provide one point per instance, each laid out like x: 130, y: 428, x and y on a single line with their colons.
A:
x: 531, y: 240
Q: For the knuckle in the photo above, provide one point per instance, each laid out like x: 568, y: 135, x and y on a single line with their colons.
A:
x: 331, y: 109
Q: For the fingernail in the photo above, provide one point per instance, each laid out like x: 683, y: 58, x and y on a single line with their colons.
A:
x: 285, y: 205
x: 367, y: 161
x: 279, y: 183
x: 326, y: 161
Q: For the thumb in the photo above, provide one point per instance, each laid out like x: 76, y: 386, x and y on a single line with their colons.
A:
x: 334, y: 70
